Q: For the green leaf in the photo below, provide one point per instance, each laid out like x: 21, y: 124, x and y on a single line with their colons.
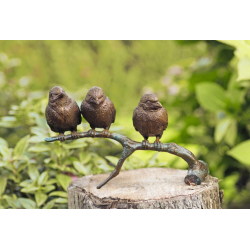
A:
x: 49, y: 205
x: 211, y: 96
x: 243, y: 69
x: 33, y: 172
x: 26, y: 183
x: 40, y: 198
x: 2, y: 164
x: 48, y: 188
x: 5, y: 152
x: 27, y: 203
x: 13, y: 203
x: 47, y: 160
x: 243, y: 54
x: 112, y: 159
x: 21, y: 146
x: 64, y: 180
x: 36, y: 139
x: 38, y: 131
x: 80, y: 168
x: 30, y: 190
x: 221, y: 129
x: 75, y: 144
x: 60, y: 200
x: 241, y: 152
x: 3, y: 184
x: 39, y: 148
x: 43, y: 178
x: 59, y: 193
x: 3, y: 143
x: 231, y: 134
x: 51, y: 181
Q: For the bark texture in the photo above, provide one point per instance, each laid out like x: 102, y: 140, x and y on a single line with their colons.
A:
x: 149, y: 188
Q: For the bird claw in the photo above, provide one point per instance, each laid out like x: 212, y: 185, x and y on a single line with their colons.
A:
x: 145, y: 144
x: 74, y: 135
x: 157, y: 144
x: 105, y: 133
x: 61, y: 137
x: 91, y: 132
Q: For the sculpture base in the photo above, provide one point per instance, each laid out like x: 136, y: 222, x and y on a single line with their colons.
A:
x: 144, y: 188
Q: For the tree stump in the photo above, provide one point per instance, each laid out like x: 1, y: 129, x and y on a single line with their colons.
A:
x: 144, y: 188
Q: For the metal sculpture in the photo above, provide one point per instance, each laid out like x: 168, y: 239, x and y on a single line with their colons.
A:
x: 150, y: 118
x: 98, y: 110
x: 62, y: 113
x: 197, y: 170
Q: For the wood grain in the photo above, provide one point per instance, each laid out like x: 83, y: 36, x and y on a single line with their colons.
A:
x: 144, y: 188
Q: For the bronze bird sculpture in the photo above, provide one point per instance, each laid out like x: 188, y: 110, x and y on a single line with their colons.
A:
x: 98, y: 110
x: 150, y: 118
x: 62, y: 113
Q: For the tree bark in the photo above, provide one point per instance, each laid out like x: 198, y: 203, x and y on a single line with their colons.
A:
x: 149, y: 188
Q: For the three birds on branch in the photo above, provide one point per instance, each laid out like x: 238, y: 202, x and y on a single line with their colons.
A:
x: 150, y: 118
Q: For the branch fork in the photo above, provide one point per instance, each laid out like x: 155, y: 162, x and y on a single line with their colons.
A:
x: 197, y: 170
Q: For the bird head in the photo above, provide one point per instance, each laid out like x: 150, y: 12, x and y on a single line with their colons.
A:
x: 95, y: 96
x: 56, y: 93
x: 150, y: 102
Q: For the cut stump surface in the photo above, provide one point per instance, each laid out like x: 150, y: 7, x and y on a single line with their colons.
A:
x: 144, y: 188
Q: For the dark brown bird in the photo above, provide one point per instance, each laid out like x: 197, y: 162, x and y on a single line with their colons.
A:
x: 150, y: 118
x: 62, y: 113
x: 98, y: 110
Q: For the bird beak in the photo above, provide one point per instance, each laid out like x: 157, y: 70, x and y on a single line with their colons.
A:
x: 54, y: 98
x: 157, y: 105
x: 97, y: 102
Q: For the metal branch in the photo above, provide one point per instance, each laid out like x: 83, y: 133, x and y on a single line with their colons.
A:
x: 197, y: 170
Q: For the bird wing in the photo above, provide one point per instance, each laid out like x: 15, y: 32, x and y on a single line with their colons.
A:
x: 52, y: 117
x: 138, y: 119
x: 164, y: 118
x: 113, y: 110
x: 75, y: 109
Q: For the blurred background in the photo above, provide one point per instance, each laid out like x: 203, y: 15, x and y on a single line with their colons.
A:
x: 204, y: 85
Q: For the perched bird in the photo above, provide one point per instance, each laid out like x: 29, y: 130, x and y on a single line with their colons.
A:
x: 62, y: 113
x: 150, y: 118
x: 98, y: 110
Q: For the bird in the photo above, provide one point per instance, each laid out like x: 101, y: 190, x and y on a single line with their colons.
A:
x: 150, y: 118
x: 98, y: 110
x: 62, y: 113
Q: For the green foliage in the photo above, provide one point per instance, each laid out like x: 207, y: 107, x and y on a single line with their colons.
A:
x: 242, y: 53
x: 204, y: 85
x: 211, y: 96
x: 241, y: 152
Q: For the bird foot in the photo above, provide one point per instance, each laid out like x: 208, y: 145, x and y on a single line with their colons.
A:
x: 74, y: 135
x: 145, y: 144
x: 158, y: 145
x: 91, y: 132
x: 61, y: 137
x: 105, y: 133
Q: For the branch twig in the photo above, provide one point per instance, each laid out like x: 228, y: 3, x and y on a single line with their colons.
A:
x: 197, y: 170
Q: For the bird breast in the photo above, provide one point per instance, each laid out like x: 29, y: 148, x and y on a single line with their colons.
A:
x: 100, y: 116
x: 150, y: 123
